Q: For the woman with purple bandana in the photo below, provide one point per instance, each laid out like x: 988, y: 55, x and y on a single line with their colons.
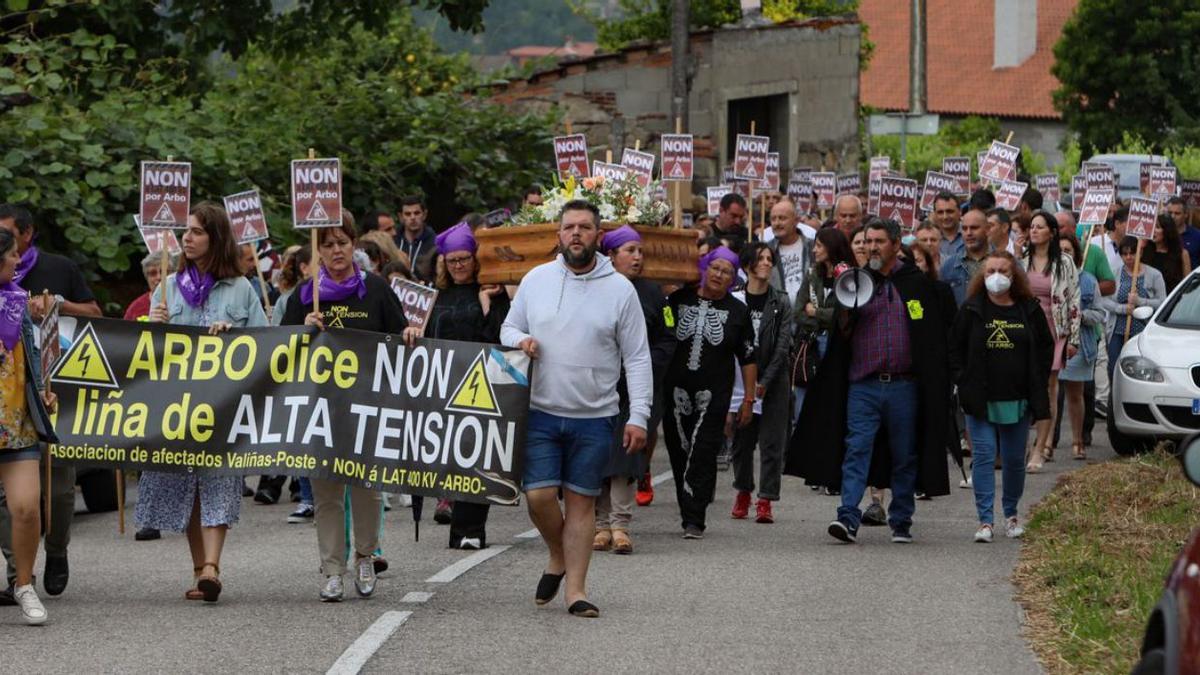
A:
x: 712, y: 329
x: 208, y: 289
x: 350, y: 298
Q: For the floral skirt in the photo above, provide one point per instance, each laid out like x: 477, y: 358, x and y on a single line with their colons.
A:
x: 165, y: 500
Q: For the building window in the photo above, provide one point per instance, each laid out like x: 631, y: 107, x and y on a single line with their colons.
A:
x: 770, y: 117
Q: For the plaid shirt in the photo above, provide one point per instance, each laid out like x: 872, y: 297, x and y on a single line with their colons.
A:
x: 880, y: 340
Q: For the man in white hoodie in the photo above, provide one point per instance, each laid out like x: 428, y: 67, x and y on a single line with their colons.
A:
x: 581, y: 322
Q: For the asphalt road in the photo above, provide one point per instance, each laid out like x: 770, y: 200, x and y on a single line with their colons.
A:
x: 748, y: 598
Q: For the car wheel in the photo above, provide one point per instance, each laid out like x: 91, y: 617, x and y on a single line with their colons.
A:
x: 1124, y: 444
x: 99, y: 488
x: 1153, y: 662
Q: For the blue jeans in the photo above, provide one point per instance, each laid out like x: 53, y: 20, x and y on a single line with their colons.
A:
x: 306, y: 495
x: 869, y: 405
x: 567, y: 451
x: 1012, y: 439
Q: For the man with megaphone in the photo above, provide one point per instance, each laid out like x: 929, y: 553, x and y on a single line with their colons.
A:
x: 886, y: 371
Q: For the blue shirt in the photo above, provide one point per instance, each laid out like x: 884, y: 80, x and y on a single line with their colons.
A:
x: 1191, y: 244
x: 952, y: 247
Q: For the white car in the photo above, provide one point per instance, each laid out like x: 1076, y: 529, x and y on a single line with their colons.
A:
x: 1156, y: 382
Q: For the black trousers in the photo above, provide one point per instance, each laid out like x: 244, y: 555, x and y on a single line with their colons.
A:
x: 694, y: 431
x: 468, y: 520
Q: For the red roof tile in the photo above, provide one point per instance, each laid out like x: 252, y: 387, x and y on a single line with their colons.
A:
x: 960, y: 78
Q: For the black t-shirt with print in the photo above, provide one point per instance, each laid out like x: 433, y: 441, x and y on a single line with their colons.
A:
x: 712, y: 335
x: 1007, y: 352
x: 757, y: 304
x: 379, y: 311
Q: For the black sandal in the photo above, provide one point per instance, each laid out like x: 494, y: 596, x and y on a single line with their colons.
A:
x: 584, y: 609
x: 547, y: 587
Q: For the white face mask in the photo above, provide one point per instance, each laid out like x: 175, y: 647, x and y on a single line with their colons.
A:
x: 997, y: 283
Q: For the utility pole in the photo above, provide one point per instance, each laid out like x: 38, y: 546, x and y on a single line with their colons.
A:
x: 679, y: 61
x: 916, y: 72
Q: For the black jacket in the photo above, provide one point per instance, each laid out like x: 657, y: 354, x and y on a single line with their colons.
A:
x: 968, y: 357
x: 774, y: 338
x: 422, y: 253
x: 818, y: 444
x: 458, y: 315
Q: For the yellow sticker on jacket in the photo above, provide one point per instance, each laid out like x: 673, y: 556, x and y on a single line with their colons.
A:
x: 915, y: 310
x: 668, y: 316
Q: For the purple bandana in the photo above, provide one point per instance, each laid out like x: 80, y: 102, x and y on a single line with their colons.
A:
x: 13, y: 301
x: 28, y: 260
x: 194, y: 286
x: 619, y: 237
x: 335, y: 291
x: 457, y: 238
x: 719, y: 253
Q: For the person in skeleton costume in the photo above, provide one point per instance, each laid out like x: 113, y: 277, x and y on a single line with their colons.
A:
x: 712, y: 329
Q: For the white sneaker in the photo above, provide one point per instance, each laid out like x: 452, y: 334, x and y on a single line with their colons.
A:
x: 32, y: 610
x: 364, y: 581
x: 332, y: 590
x: 406, y: 500
x: 470, y: 544
x: 984, y: 534
x: 1013, y: 529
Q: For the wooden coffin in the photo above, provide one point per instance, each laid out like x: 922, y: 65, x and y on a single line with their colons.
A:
x: 506, y: 253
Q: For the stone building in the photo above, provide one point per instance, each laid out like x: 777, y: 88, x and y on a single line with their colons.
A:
x: 797, y: 81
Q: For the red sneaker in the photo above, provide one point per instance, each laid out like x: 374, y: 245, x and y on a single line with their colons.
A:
x: 645, y: 491
x: 762, y: 511
x: 741, y: 505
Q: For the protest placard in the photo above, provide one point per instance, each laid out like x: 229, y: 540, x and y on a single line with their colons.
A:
x: 1078, y: 190
x: 1009, y: 194
x: 1096, y: 203
x: 571, y: 156
x: 1143, y: 213
x: 1000, y: 162
x: 873, y: 195
x: 166, y: 194
x: 715, y: 193
x: 48, y: 340
x: 849, y: 184
x: 441, y: 419
x: 677, y: 153
x: 750, y: 156
x: 960, y: 168
x: 1144, y: 177
x: 1047, y: 184
x: 610, y: 172
x: 640, y: 163
x: 799, y: 189
x: 878, y: 167
x: 824, y: 186
x: 935, y: 182
x: 496, y: 218
x: 770, y: 182
x: 417, y: 301
x: 153, y: 239
x: 1189, y: 190
x: 743, y: 188
x: 246, y: 216
x: 1099, y: 176
x: 316, y: 193
x: 898, y: 201
x: 979, y: 164
x: 1163, y: 180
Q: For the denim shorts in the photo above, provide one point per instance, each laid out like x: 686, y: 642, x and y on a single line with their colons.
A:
x: 567, y: 452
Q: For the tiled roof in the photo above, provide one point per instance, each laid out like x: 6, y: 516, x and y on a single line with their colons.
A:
x: 960, y: 78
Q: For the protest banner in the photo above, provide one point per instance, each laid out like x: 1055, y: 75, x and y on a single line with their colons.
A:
x: 1078, y: 190
x: 824, y: 186
x: 898, y: 201
x: 878, y: 167
x: 571, y: 156
x: 677, y: 152
x: 1000, y: 162
x: 750, y: 156
x: 417, y: 301
x: 1096, y: 203
x: 1163, y: 181
x: 873, y: 196
x: 154, y: 239
x: 770, y: 182
x: 1190, y: 191
x: 496, y: 218
x: 1143, y: 214
x: 166, y: 194
x: 960, y: 168
x: 610, y: 172
x: 1047, y: 184
x: 316, y: 193
x: 935, y: 182
x: 714, y: 195
x: 640, y: 163
x: 1099, y: 176
x: 1009, y: 195
x: 849, y: 184
x: 442, y: 419
x: 246, y: 216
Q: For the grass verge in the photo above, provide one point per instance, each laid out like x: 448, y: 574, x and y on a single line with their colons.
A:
x: 1094, y: 559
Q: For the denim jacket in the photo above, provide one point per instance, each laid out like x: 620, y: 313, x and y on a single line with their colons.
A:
x: 232, y: 300
x: 1092, y: 317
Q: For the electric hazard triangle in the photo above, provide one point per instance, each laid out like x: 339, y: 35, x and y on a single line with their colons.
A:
x: 475, y: 394
x: 85, y: 363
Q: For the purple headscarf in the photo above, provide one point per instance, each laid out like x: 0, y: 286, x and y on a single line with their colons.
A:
x: 28, y: 260
x: 194, y: 286
x: 619, y: 237
x: 458, y: 238
x: 335, y: 291
x: 718, y: 253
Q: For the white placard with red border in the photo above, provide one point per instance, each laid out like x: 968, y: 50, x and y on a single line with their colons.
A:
x: 166, y: 195
x: 153, y: 238
x: 960, y: 168
x: 1047, y: 184
x: 898, y: 201
x: 824, y: 186
x: 879, y: 166
x: 611, y: 172
x: 715, y: 194
x: 1000, y: 162
x: 246, y: 216
x: 1099, y: 176
x: 849, y: 183
x: 935, y: 182
x: 316, y: 193
x: 678, y: 151
x: 1009, y: 194
x: 1163, y: 181
x: 750, y: 156
x: 1096, y: 204
x: 1143, y: 213
x: 640, y: 163
x: 571, y: 156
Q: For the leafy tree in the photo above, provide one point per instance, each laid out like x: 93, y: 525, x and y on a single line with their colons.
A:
x: 956, y: 139
x: 1130, y: 66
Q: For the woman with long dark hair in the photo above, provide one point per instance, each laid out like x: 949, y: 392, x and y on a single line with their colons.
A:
x: 1166, y: 254
x: 815, y: 302
x: 207, y: 289
x: 1000, y: 354
x: 1149, y: 290
x: 1054, y: 281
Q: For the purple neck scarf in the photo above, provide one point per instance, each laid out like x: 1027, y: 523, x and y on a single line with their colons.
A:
x: 28, y: 259
x: 335, y: 291
x: 194, y: 286
x: 13, y: 301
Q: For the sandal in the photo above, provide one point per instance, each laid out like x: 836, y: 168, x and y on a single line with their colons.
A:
x: 584, y: 609
x: 194, y: 593
x: 1078, y: 451
x: 603, y: 540
x: 209, y: 585
x: 1048, y: 453
x: 621, y: 543
x: 547, y: 587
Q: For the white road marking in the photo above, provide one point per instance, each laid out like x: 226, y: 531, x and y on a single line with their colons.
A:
x: 529, y: 534
x: 461, y: 567
x: 655, y: 481
x: 356, y: 655
x: 416, y: 597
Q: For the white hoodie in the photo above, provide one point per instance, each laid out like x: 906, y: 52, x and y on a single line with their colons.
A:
x: 586, y: 326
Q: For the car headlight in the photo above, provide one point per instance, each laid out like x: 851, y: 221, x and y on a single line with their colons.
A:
x: 1141, y: 368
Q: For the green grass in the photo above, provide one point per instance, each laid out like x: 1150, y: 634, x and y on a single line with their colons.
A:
x: 1096, y: 554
